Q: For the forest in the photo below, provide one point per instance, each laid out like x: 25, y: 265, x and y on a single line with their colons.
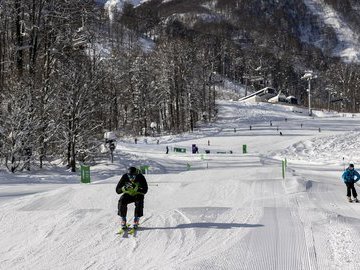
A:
x: 70, y: 71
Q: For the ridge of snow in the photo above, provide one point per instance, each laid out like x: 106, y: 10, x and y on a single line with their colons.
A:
x: 112, y: 5
x: 332, y: 148
x: 348, y: 49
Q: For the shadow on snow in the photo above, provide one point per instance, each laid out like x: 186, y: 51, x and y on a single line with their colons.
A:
x: 205, y: 225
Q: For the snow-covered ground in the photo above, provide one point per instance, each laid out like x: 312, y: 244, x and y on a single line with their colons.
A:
x: 228, y: 211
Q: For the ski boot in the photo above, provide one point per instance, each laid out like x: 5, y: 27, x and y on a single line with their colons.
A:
x: 124, y: 227
x: 356, y: 200
x: 136, y: 223
x: 123, y: 224
x: 134, y: 227
x: 349, y: 199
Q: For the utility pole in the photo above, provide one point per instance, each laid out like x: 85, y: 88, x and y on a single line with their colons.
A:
x: 330, y: 92
x: 309, y: 89
x: 309, y: 75
x: 246, y: 86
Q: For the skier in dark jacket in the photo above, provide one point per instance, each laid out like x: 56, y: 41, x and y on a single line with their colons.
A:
x: 133, y: 187
x: 350, y: 177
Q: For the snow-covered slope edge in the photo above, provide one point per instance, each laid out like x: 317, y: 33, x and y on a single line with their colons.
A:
x: 112, y: 5
x: 349, y: 45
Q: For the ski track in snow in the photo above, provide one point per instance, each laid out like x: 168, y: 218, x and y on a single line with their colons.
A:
x: 349, y: 45
x: 229, y: 211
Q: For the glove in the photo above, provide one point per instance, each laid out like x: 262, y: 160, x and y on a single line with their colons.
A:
x: 127, y: 187
x: 130, y: 190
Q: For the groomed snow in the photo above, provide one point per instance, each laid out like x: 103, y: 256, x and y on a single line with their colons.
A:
x: 229, y: 211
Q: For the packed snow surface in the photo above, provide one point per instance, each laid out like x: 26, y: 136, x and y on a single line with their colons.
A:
x: 222, y: 210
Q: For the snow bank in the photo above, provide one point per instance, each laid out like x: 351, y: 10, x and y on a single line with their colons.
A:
x: 336, y: 149
x: 294, y: 183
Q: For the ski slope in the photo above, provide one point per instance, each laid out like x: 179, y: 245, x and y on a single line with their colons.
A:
x: 229, y: 211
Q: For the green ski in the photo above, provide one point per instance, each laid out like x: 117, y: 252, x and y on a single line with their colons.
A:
x: 133, y: 230
x: 123, y: 230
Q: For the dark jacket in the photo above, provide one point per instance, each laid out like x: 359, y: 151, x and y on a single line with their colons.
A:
x: 139, y: 184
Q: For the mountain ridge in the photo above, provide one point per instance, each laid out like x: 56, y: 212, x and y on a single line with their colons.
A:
x: 321, y: 24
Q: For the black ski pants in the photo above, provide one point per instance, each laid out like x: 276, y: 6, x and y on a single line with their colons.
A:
x: 351, y: 188
x: 125, y: 199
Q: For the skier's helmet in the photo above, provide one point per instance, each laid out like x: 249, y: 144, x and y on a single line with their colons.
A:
x: 132, y: 171
x: 351, y: 166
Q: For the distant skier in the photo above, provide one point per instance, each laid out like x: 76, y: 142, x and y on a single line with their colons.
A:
x: 350, y: 177
x: 133, y: 187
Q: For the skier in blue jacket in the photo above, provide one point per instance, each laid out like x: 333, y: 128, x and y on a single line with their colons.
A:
x: 350, y: 177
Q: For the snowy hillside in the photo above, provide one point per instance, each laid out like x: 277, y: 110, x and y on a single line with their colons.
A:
x: 331, y: 26
x: 349, y: 44
x: 111, y: 5
x: 120, y: 3
x: 223, y: 210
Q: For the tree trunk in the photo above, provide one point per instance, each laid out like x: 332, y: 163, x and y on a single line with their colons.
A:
x: 19, y: 37
x: 73, y: 157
